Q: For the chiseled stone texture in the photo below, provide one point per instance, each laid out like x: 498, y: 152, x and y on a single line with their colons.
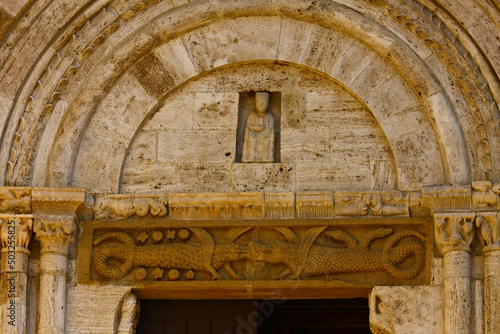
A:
x: 92, y: 309
x: 329, y: 139
x: 408, y: 310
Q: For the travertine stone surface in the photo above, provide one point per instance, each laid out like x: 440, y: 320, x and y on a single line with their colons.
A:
x: 412, y: 310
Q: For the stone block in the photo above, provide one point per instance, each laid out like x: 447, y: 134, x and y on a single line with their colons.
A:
x: 59, y: 12
x: 176, y: 60
x: 142, y: 178
x: 204, y: 177
x: 263, y: 177
x: 216, y: 111
x: 121, y: 111
x: 175, y: 113
x: 402, y: 122
x: 305, y: 144
x: 12, y: 7
x: 375, y: 74
x: 143, y: 149
x: 153, y: 76
x: 293, y: 112
x: 332, y: 176
x: 196, y: 145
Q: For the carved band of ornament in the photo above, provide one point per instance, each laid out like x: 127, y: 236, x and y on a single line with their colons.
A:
x: 256, y: 253
x: 55, y: 233
x: 454, y: 232
x: 372, y: 203
x: 15, y: 232
x: 489, y: 230
x: 15, y: 200
x: 485, y: 196
x: 57, y: 201
x: 447, y: 198
x: 126, y: 206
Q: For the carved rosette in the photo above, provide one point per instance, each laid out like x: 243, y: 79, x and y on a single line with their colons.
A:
x: 489, y: 230
x: 454, y: 231
x: 55, y: 233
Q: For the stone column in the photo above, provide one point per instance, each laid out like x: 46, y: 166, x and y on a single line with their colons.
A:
x: 489, y: 232
x: 55, y: 235
x: 15, y: 233
x: 454, y: 233
x: 54, y: 212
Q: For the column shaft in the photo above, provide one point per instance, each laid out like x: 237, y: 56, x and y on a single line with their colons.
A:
x: 492, y: 292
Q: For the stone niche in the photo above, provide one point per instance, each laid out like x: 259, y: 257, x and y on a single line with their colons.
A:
x: 326, y: 137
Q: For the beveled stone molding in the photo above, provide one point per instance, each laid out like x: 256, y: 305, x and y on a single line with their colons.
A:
x: 489, y: 230
x: 371, y: 203
x: 15, y: 200
x: 187, y: 253
x: 454, y: 231
x: 447, y: 198
x: 55, y: 233
x: 57, y: 201
x: 127, y: 206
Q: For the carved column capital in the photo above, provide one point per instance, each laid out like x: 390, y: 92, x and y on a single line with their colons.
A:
x: 55, y: 233
x: 488, y: 224
x: 15, y: 231
x: 454, y: 231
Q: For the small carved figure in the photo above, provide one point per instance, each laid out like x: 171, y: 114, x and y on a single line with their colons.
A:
x: 15, y: 201
x: 485, y: 194
x: 258, y: 140
x: 302, y: 257
x: 124, y: 208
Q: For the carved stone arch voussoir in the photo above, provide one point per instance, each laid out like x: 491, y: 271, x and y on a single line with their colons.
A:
x: 105, y: 73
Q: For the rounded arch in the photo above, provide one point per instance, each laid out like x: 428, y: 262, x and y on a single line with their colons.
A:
x: 174, y: 23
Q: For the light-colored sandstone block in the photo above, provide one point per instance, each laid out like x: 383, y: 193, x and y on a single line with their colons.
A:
x: 142, y: 178
x: 196, y: 145
x: 143, y: 150
x: 305, y: 144
x: 332, y: 176
x: 263, y: 177
x: 176, y: 60
x: 216, y: 111
x: 12, y: 6
x: 176, y: 113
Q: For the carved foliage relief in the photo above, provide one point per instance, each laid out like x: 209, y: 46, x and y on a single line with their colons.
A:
x: 191, y: 251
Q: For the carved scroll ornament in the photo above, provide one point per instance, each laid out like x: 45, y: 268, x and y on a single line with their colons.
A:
x: 303, y: 253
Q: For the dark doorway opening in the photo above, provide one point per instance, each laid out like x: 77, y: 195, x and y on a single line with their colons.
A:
x: 338, y: 316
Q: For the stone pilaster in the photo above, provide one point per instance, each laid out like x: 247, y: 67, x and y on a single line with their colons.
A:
x: 454, y: 233
x: 489, y: 232
x: 54, y: 225
x: 15, y: 235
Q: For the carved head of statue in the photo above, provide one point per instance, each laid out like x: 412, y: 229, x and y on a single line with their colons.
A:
x: 261, y: 102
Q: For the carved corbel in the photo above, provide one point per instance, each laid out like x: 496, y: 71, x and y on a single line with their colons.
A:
x: 454, y: 231
x: 489, y: 230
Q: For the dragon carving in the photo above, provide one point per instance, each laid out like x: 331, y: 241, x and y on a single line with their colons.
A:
x: 204, y: 255
x: 303, y: 258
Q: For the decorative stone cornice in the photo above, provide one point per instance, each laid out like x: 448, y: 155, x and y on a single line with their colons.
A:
x: 57, y: 201
x: 454, y: 231
x: 447, y: 198
x: 488, y: 224
x: 55, y: 233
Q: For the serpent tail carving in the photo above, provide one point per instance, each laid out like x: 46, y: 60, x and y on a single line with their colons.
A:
x: 123, y: 251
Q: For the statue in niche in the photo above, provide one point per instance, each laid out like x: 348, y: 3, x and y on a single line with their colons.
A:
x: 258, y: 140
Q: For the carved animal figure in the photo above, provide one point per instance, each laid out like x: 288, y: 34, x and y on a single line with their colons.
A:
x: 304, y: 258
x: 204, y: 255
x: 10, y: 201
x: 110, y: 208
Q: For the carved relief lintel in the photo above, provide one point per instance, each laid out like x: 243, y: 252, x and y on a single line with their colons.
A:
x: 127, y: 206
x: 489, y: 230
x: 15, y: 200
x: 55, y: 233
x: 371, y: 203
x: 314, y: 204
x: 454, y: 231
x: 447, y: 198
x: 485, y: 195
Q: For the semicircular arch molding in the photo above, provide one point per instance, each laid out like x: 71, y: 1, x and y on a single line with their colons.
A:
x: 418, y: 78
